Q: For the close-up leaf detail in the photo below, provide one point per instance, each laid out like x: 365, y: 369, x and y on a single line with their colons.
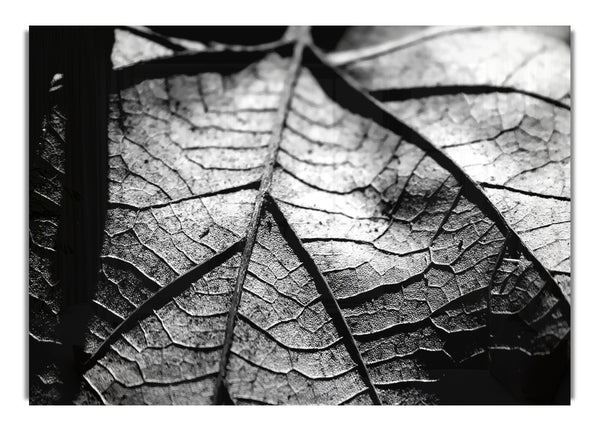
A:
x: 383, y: 224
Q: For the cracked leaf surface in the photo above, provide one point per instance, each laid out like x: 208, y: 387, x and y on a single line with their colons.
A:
x: 274, y: 236
x: 518, y: 148
x: 473, y: 56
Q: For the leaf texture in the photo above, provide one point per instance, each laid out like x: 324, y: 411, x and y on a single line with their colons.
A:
x: 368, y: 36
x: 45, y: 292
x: 46, y: 192
x: 520, y: 154
x: 502, y: 57
x: 275, y: 235
x: 511, y: 135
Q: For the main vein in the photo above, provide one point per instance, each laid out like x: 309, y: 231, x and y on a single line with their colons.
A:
x: 265, y: 184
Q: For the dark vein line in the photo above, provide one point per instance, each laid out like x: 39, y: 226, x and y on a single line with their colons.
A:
x: 147, y: 151
x: 478, y: 241
x: 103, y: 311
x: 195, y: 127
x: 346, y: 92
x: 401, y: 94
x: 327, y: 296
x: 210, y: 45
x: 435, y: 359
x: 153, y: 36
x: 162, y: 296
x: 253, y: 401
x: 172, y: 384
x: 409, y: 327
x: 258, y: 297
x: 134, y: 174
x: 312, y: 121
x: 400, y: 199
x: 322, y: 189
x: 291, y: 129
x: 447, y: 216
x: 371, y: 244
x: 524, y: 192
x: 249, y: 186
x: 469, y: 296
x: 298, y: 159
x: 184, y: 51
x: 272, y: 338
x: 225, y: 61
x: 532, y: 306
x: 285, y: 373
x: 330, y: 212
x: 559, y: 272
x: 239, y: 148
x: 485, y: 139
x: 375, y: 292
x: 403, y: 192
x: 352, y: 397
x: 265, y: 184
x: 232, y: 170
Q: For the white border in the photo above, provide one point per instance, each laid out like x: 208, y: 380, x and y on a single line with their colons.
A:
x: 17, y: 16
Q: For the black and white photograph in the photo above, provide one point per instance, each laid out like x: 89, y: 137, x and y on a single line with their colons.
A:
x: 282, y: 215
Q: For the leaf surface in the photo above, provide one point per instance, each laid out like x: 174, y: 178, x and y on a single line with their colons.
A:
x: 275, y: 235
x: 465, y: 56
x: 507, y: 126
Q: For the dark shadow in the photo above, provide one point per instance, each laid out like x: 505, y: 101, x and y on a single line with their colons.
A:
x: 26, y: 202
x: 238, y: 35
x: 327, y: 37
x: 222, y: 62
x: 82, y: 55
